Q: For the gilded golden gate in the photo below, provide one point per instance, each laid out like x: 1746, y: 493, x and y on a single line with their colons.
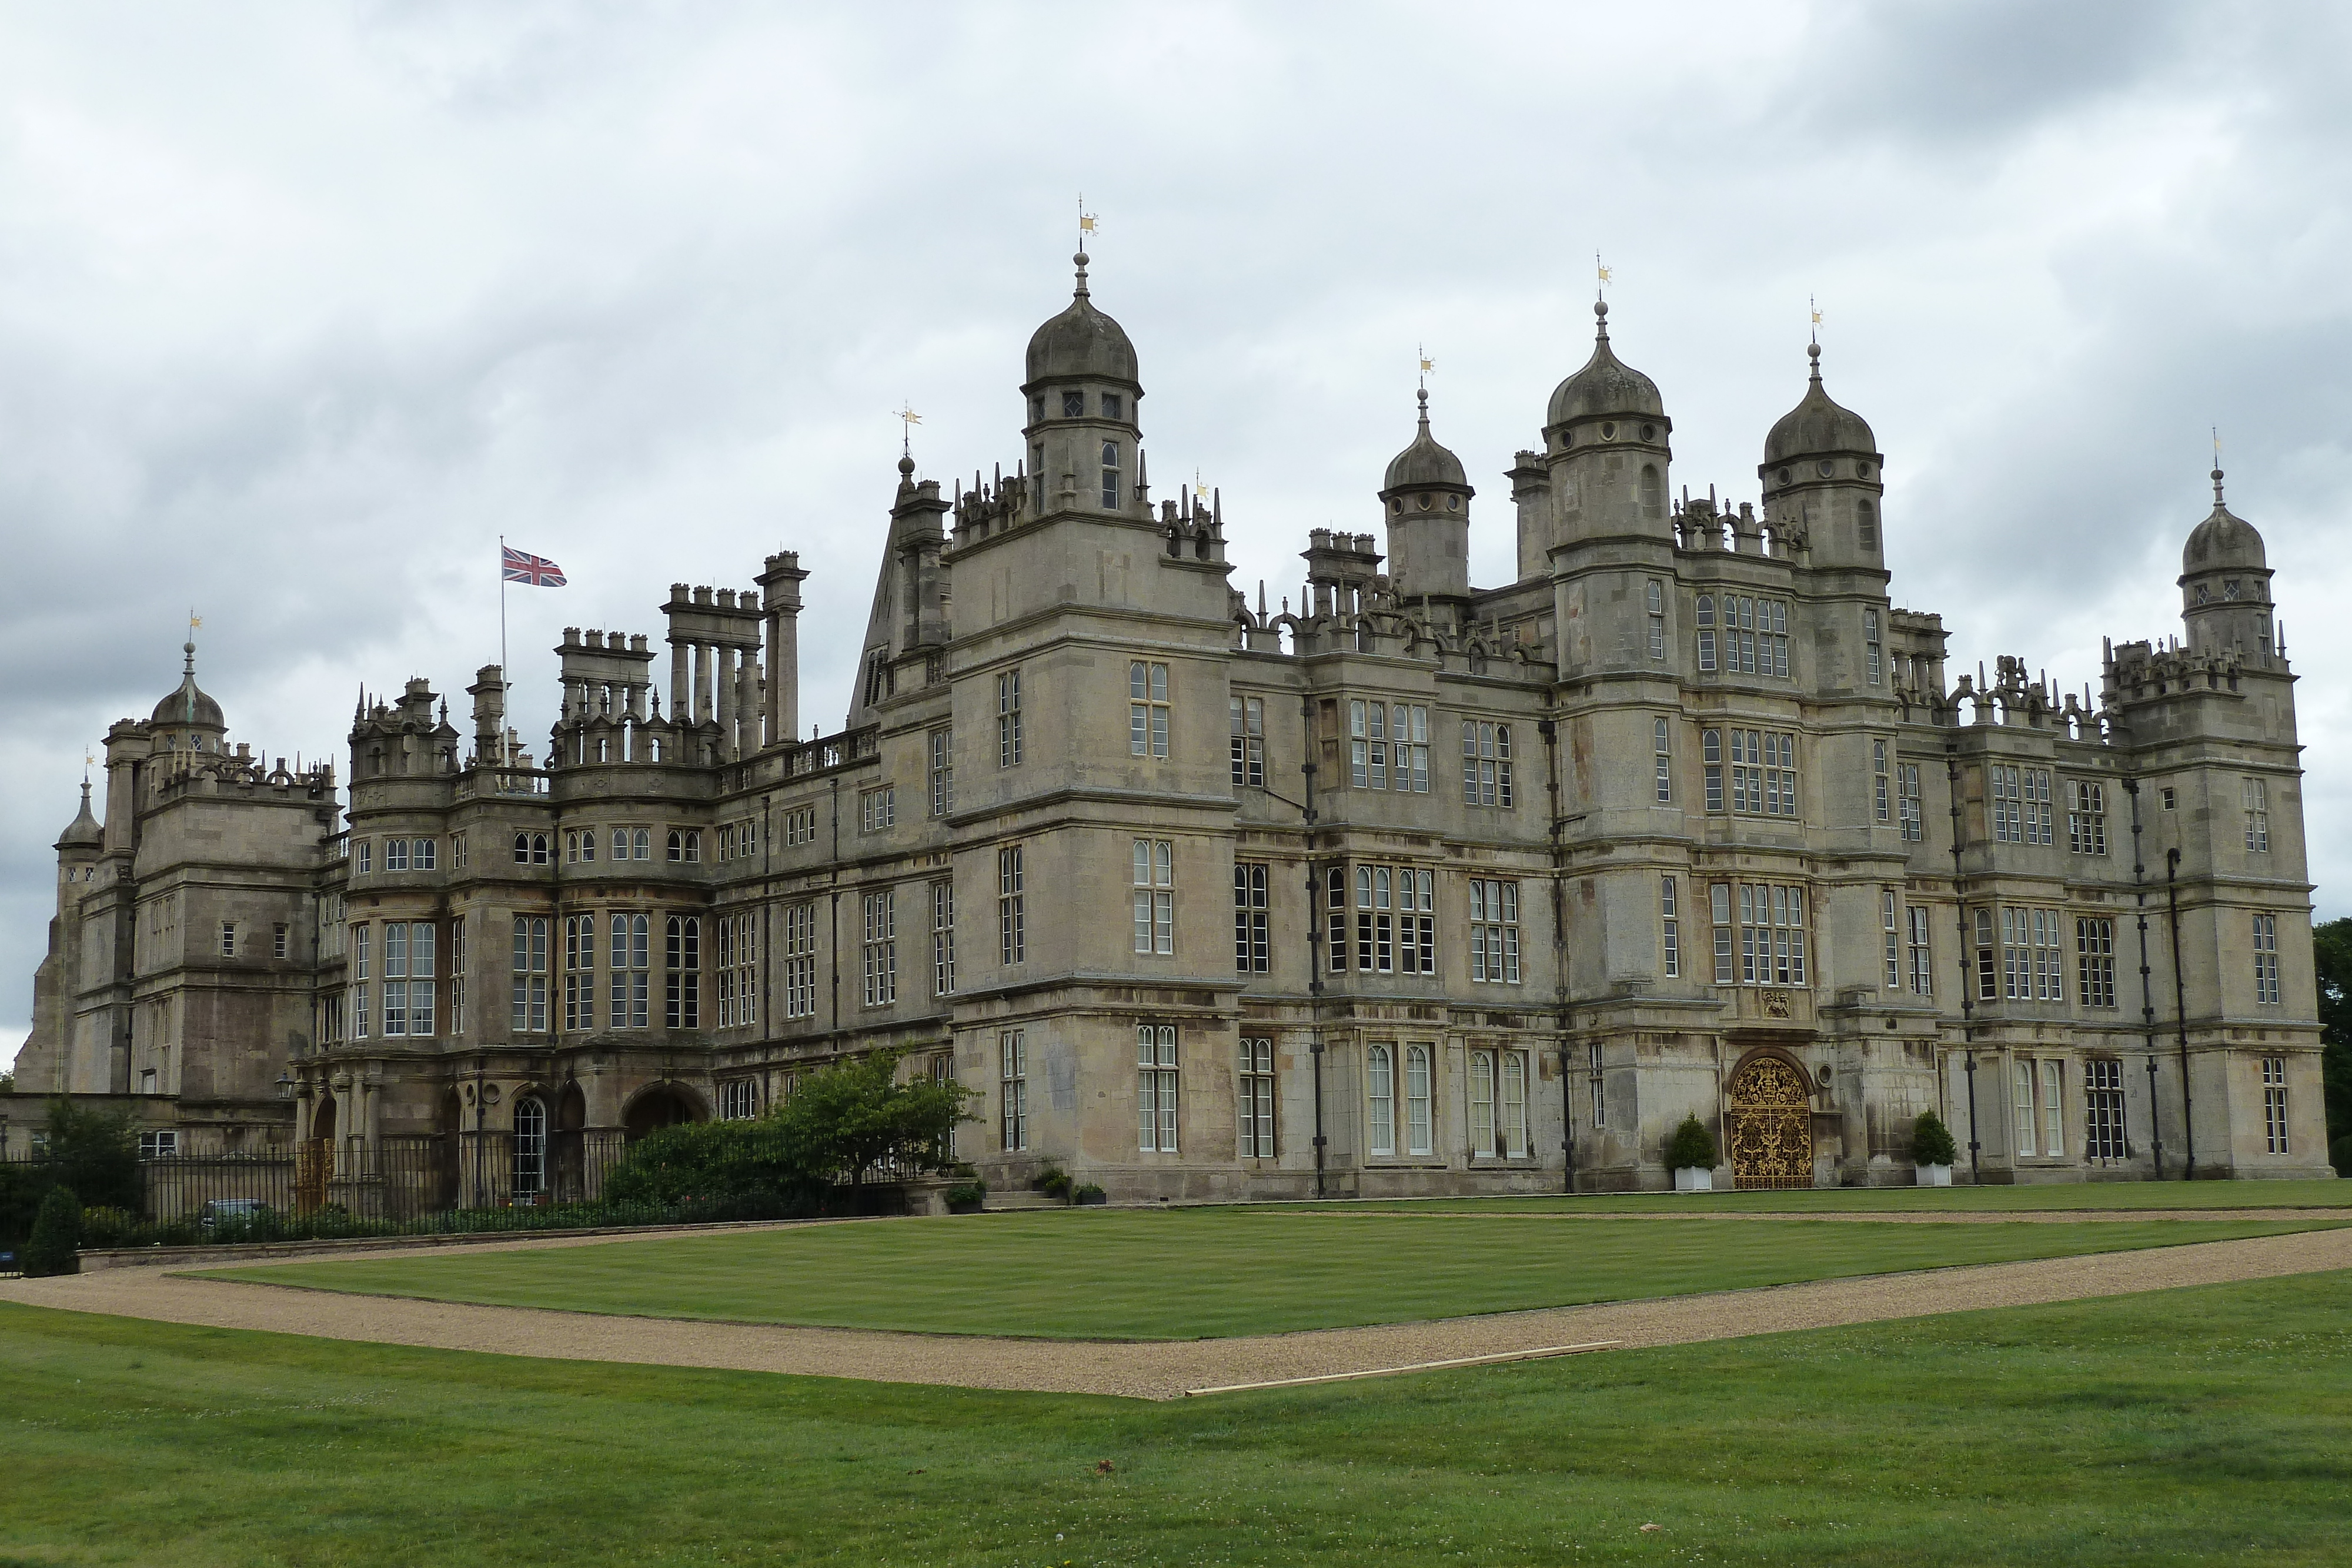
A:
x: 1769, y: 1125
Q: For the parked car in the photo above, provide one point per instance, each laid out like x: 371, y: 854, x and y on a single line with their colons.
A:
x: 217, y: 1209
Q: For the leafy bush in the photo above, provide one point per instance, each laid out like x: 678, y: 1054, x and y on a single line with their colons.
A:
x: 108, y: 1227
x: 1089, y: 1193
x: 22, y: 1187
x: 715, y: 1161
x: 96, y: 1153
x: 1931, y: 1140
x: 1692, y: 1147
x: 57, y: 1233
x: 1052, y: 1180
x: 967, y: 1195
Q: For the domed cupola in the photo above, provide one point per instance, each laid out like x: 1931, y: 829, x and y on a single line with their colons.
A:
x: 1081, y: 343
x: 188, y: 708
x: 2224, y: 541
x: 82, y: 833
x: 1426, y: 496
x: 1424, y: 462
x: 1085, y: 444
x: 1824, y: 477
x: 1616, y: 401
x: 2225, y: 578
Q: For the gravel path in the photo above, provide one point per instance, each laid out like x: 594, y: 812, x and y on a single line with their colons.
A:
x: 1163, y: 1370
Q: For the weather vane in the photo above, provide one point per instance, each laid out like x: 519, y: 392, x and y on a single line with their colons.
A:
x: 1085, y: 221
x: 1601, y: 289
x: 912, y: 419
x: 1815, y: 308
x: 1427, y: 364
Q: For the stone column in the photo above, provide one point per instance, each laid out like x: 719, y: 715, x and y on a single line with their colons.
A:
x: 722, y: 680
x: 781, y: 590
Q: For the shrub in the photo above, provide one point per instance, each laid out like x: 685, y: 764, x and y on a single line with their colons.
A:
x: 1691, y: 1148
x: 1931, y: 1140
x: 967, y: 1195
x: 716, y: 1161
x: 22, y: 1187
x: 57, y: 1233
x: 1089, y: 1193
x: 96, y: 1153
x: 108, y: 1228
x: 1052, y: 1180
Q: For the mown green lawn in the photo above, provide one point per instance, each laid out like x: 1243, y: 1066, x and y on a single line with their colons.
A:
x: 2067, y: 1197
x: 2186, y: 1426
x: 1202, y: 1273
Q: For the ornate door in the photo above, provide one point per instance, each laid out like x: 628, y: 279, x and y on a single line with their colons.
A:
x: 1769, y: 1125
x: 311, y: 1157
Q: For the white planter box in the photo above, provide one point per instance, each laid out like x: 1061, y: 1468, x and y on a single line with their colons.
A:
x: 1691, y: 1178
x: 1933, y: 1176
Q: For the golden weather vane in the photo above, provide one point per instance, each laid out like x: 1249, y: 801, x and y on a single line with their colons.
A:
x: 1600, y: 288
x: 1428, y: 365
x: 908, y: 415
x: 1085, y: 221
x: 1812, y: 306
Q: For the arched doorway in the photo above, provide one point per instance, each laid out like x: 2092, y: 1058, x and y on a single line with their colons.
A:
x: 1769, y: 1125
x: 566, y: 1163
x: 448, y: 1135
x: 529, y: 1148
x: 657, y: 1108
x: 314, y: 1155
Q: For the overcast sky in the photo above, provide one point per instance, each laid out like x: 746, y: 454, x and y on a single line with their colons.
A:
x: 302, y: 306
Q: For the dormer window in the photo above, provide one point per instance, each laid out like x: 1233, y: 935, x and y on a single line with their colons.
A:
x: 1112, y: 405
x: 1074, y: 405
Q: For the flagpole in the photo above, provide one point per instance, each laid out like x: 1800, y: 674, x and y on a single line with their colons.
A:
x: 504, y: 685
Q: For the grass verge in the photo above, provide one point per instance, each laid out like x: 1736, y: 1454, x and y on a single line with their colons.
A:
x: 1200, y: 1272
x: 2062, y: 1197
x: 2176, y: 1427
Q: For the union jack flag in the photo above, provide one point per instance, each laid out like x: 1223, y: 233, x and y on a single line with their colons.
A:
x: 536, y: 571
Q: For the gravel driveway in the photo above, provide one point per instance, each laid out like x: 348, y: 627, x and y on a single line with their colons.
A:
x: 1164, y: 1370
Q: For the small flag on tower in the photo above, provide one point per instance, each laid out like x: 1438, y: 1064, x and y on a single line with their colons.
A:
x: 536, y: 571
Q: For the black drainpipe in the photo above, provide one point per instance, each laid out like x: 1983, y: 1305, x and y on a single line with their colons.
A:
x: 1968, y: 979
x: 2147, y: 986
x: 1550, y: 733
x: 1314, y: 937
x: 2179, y: 1011
x: 832, y: 915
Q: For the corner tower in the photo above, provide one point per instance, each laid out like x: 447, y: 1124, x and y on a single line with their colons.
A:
x: 1426, y: 496
x: 1605, y: 448
x: 1084, y: 443
x: 1825, y: 480
x: 2225, y: 586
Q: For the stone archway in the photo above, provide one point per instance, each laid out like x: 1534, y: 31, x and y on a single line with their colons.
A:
x: 1768, y: 1125
x: 661, y: 1106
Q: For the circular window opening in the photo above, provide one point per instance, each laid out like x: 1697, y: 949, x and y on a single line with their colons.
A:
x: 1424, y: 503
x: 1566, y: 439
x: 1784, y: 476
x: 1397, y: 505
x: 1863, y: 469
x: 1649, y: 432
x: 1452, y: 503
x: 1609, y: 432
x: 1826, y: 468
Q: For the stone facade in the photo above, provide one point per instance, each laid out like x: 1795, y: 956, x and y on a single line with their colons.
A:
x: 1415, y: 888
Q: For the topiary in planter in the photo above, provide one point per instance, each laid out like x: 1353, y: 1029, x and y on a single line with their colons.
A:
x: 1692, y: 1147
x: 1089, y: 1193
x: 57, y: 1233
x: 1931, y: 1140
x: 967, y: 1197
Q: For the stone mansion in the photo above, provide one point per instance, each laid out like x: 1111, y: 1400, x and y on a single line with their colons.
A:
x: 1415, y: 888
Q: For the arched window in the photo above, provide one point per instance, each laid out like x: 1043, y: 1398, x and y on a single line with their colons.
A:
x: 1512, y: 1133
x: 529, y: 1147
x: 1482, y: 1104
x: 645, y: 843
x: 1380, y: 1082
x: 1705, y: 618
x: 1419, y: 1122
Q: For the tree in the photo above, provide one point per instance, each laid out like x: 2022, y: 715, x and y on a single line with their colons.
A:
x: 855, y: 1114
x: 96, y: 1153
x: 717, y: 1162
x: 57, y: 1233
x: 1931, y: 1140
x: 1693, y: 1146
x: 2331, y: 951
